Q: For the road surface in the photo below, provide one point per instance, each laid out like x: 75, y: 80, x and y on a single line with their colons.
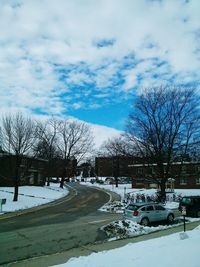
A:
x: 73, y: 222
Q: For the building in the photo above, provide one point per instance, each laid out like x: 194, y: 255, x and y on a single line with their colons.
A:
x: 31, y: 170
x: 183, y: 175
x: 113, y: 166
x: 65, y: 168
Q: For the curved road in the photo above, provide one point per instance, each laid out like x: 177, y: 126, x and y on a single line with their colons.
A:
x: 73, y: 222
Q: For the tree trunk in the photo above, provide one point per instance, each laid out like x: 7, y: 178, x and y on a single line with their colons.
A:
x: 16, y: 191
x: 162, y: 191
x: 62, y: 182
x: 16, y: 179
x: 116, y: 181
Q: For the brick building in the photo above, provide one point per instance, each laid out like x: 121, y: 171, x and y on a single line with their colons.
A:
x: 185, y: 175
x: 31, y: 170
x: 114, y: 166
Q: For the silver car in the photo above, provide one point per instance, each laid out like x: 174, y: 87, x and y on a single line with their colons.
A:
x: 146, y: 213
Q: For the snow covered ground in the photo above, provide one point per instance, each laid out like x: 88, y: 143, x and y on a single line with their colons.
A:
x: 126, y: 228
x: 30, y: 196
x: 176, y: 250
x: 157, y: 252
x: 126, y: 189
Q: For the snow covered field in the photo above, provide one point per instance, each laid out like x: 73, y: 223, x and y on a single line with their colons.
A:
x: 124, y: 189
x: 30, y: 196
x: 176, y: 250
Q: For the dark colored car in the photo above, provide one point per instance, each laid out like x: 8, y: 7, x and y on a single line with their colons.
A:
x: 191, y: 205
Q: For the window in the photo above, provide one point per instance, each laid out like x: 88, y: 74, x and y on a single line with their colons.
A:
x: 183, y: 169
x: 198, y: 168
x: 139, y: 181
x: 186, y: 200
x: 149, y: 208
x: 183, y: 180
x: 132, y: 207
x: 198, y: 180
x: 140, y: 170
x: 158, y: 207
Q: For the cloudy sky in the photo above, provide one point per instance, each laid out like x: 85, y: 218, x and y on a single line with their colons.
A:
x: 88, y: 58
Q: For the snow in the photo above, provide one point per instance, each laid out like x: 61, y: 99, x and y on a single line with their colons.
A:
x: 124, y: 189
x: 127, y: 188
x: 126, y: 228
x: 176, y: 250
x: 156, y: 252
x: 30, y: 196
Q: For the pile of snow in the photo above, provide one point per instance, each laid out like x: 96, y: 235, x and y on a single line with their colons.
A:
x: 126, y: 228
x: 172, y: 250
x: 30, y: 196
x: 115, y: 206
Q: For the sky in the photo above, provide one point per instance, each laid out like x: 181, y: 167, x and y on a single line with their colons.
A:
x: 89, y: 59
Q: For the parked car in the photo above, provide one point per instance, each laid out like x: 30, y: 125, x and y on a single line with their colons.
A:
x: 191, y: 205
x: 146, y: 213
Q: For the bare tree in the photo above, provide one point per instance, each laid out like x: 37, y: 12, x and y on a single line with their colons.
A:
x: 117, y: 146
x: 18, y: 134
x: 163, y: 124
x: 47, y: 146
x: 75, y: 142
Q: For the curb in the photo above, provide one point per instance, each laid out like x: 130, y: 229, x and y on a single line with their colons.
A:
x: 63, y: 257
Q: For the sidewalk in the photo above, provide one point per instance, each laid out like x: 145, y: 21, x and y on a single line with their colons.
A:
x: 62, y: 257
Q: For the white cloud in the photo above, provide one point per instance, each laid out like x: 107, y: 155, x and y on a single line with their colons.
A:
x: 103, y: 133
x: 39, y: 35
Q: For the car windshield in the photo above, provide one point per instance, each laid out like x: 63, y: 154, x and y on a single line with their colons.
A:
x: 186, y: 200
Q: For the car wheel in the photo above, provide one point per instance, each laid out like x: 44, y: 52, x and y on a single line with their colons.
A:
x: 144, y: 221
x: 170, y: 218
x: 198, y: 214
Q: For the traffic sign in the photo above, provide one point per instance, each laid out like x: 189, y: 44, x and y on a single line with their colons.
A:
x: 183, y: 210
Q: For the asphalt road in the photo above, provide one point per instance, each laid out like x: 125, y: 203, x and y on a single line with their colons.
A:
x: 73, y: 222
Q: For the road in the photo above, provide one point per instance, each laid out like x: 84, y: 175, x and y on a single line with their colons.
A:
x: 73, y: 222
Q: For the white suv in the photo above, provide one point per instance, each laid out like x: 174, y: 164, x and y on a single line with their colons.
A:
x: 145, y: 213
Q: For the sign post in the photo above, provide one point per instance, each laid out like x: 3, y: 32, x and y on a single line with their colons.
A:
x: 2, y: 202
x: 183, y: 211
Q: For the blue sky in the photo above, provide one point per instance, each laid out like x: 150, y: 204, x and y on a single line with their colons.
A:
x: 89, y: 59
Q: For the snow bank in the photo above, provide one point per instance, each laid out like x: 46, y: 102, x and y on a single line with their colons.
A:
x: 30, y: 196
x: 173, y: 251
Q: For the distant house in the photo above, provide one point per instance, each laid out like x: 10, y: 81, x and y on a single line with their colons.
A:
x: 182, y: 174
x: 31, y: 170
x: 113, y: 166
x: 61, y: 168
